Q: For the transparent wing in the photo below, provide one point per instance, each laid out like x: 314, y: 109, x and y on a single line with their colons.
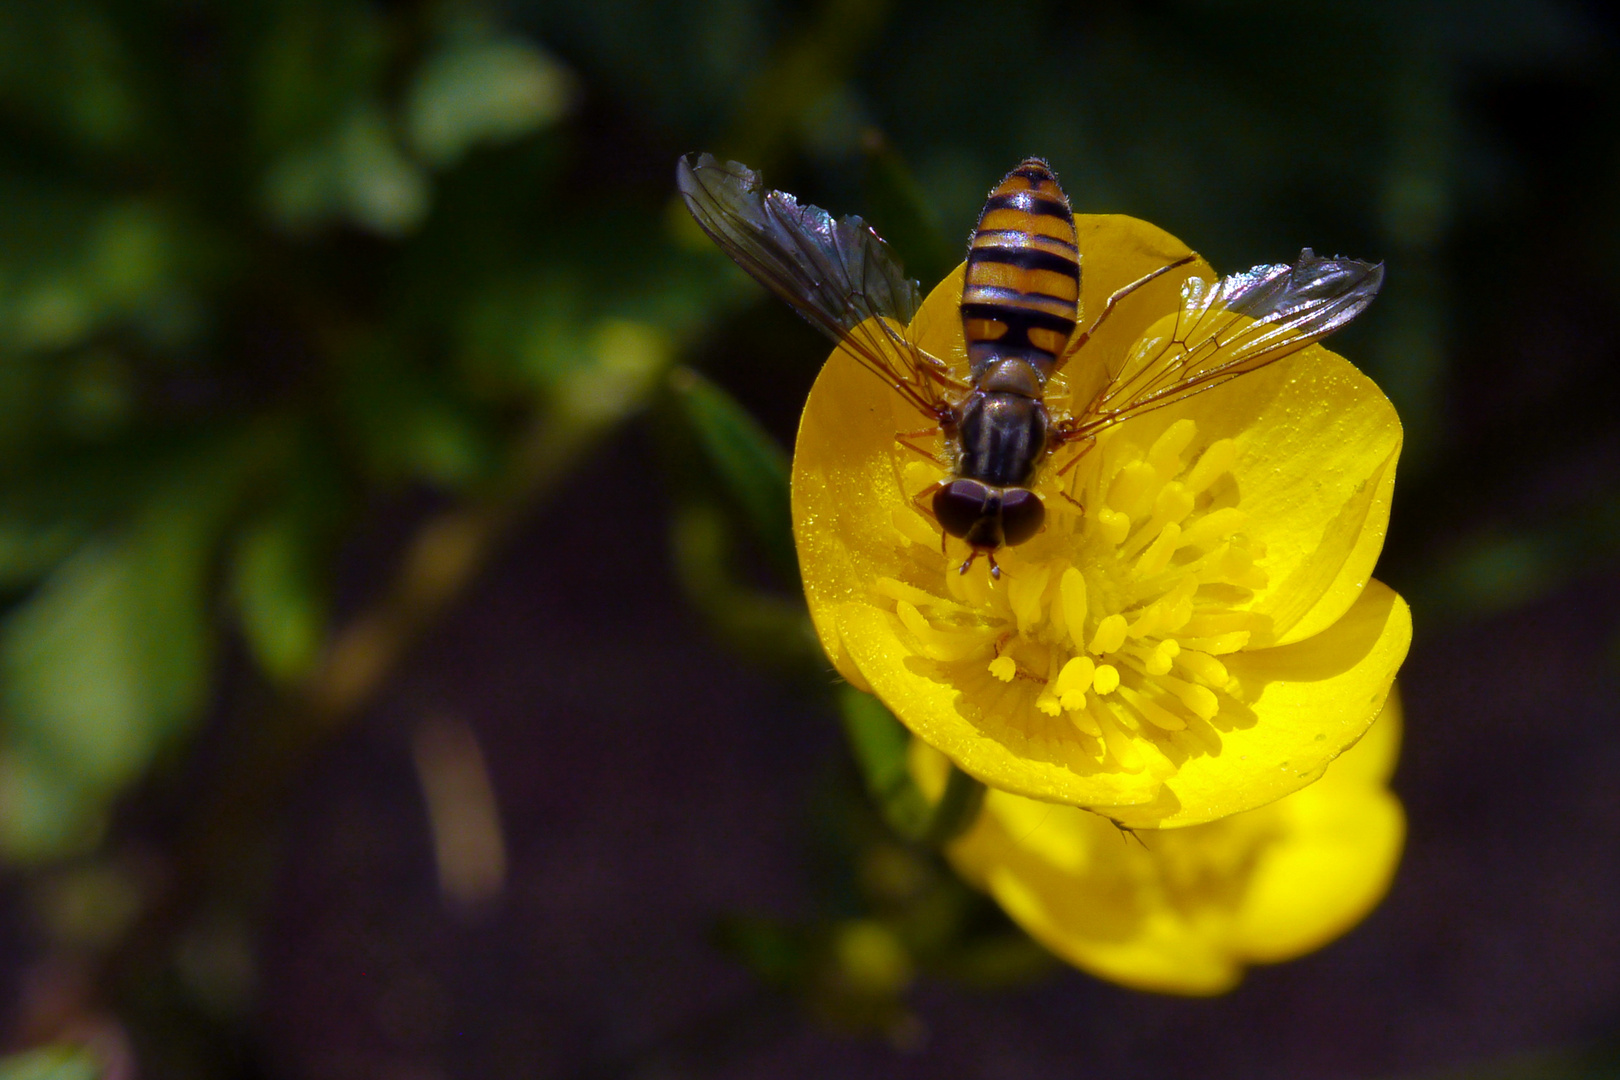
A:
x: 1229, y: 328
x: 837, y: 273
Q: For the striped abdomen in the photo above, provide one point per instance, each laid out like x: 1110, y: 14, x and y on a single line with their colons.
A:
x: 1022, y: 291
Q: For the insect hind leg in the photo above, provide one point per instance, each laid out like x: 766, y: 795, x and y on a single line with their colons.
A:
x: 1121, y: 293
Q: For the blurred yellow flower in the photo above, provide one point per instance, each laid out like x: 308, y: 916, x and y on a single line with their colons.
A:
x: 1203, y: 638
x: 1185, y: 910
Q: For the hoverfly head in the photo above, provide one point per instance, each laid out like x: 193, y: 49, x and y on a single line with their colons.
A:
x: 1022, y: 515
x: 988, y: 517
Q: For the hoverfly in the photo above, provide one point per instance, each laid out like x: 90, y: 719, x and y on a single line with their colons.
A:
x: 1020, y: 312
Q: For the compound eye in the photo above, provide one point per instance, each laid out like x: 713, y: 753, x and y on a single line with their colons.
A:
x: 959, y: 505
x: 1021, y: 515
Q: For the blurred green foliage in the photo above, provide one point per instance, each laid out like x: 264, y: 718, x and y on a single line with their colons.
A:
x: 51, y: 1063
x: 262, y: 265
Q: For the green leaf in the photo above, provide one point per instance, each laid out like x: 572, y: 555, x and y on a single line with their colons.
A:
x: 51, y: 1063
x: 280, y: 596
x: 65, y: 68
x: 100, y: 666
x: 45, y: 811
x: 308, y: 62
x: 879, y: 743
x: 751, y: 468
x: 777, y: 952
x: 957, y: 808
x: 487, y: 89
x: 902, y: 214
x: 354, y: 173
x: 74, y: 263
x: 409, y: 420
x: 769, y: 629
x: 109, y: 658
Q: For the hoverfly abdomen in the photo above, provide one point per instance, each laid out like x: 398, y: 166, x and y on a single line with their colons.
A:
x: 1022, y: 291
x: 1020, y: 301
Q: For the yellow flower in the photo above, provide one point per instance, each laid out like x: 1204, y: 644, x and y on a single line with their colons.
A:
x: 1194, y: 633
x: 1185, y: 910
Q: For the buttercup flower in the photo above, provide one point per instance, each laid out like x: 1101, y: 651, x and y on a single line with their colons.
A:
x: 1185, y: 910
x: 1194, y: 633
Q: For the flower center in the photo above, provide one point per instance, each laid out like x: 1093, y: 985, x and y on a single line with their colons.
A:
x: 1108, y: 628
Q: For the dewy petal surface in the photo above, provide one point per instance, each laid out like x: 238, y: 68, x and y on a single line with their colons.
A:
x: 1194, y: 633
x: 1185, y: 911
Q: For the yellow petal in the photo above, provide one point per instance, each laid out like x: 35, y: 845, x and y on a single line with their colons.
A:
x: 1371, y: 761
x: 1183, y: 912
x: 1308, y: 702
x: 1340, y: 841
x: 845, y: 485
x: 1334, y: 867
x: 983, y: 742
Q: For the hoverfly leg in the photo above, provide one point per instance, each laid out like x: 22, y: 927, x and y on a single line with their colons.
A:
x: 923, y: 500
x: 1091, y: 440
x: 1126, y: 833
x: 904, y: 439
x: 995, y: 571
x: 1119, y: 294
x: 924, y: 362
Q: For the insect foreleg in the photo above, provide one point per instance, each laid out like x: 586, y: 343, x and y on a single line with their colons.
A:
x: 924, y: 501
x: 904, y: 439
x: 1089, y: 442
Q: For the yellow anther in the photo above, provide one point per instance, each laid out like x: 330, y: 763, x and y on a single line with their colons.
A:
x: 1210, y: 623
x: 1112, y: 525
x: 1204, y: 667
x: 1220, y: 644
x: 1216, y: 459
x: 1214, y: 527
x: 1174, y: 503
x: 946, y: 646
x: 1024, y: 593
x: 1158, y: 554
x: 1147, y: 622
x: 914, y: 527
x: 1120, y: 745
x: 1200, y: 699
x: 1165, y: 454
x: 1110, y: 635
x: 1134, y: 489
x: 1156, y: 714
x: 895, y: 589
x: 1158, y: 661
x: 1075, y: 676
x: 1178, y: 612
x: 918, y: 475
x: 1003, y: 668
x: 1072, y: 596
x: 1106, y: 679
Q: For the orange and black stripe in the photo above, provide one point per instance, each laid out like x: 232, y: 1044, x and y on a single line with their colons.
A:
x: 1022, y: 292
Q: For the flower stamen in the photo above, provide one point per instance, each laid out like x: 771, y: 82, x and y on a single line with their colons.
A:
x: 1117, y: 615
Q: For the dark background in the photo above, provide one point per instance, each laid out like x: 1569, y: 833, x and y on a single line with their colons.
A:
x: 336, y: 437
